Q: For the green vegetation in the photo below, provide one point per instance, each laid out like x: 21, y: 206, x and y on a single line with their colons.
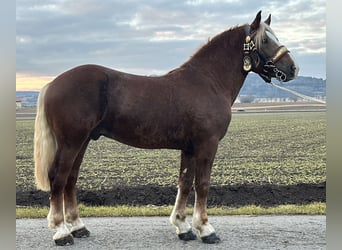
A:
x: 283, y: 148
x: 126, y: 211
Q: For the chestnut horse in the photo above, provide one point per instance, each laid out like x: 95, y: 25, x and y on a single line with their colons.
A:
x: 188, y: 109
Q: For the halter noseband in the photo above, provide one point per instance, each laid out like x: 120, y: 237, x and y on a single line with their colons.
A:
x: 252, y: 58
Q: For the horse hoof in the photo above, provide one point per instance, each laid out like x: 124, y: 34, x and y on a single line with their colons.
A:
x: 67, y: 240
x: 81, y: 233
x: 211, y: 239
x: 190, y: 235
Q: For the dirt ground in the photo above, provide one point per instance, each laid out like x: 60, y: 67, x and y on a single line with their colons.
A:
x: 234, y: 195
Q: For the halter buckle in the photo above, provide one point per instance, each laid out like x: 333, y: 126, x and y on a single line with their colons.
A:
x: 249, y: 44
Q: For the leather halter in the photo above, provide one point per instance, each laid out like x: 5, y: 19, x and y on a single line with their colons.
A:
x: 253, y: 60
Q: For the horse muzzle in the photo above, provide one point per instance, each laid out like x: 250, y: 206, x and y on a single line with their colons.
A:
x: 281, y: 66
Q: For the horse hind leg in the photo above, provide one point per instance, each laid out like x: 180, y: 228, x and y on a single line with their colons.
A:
x: 58, y: 176
x: 178, y: 216
x: 71, y: 212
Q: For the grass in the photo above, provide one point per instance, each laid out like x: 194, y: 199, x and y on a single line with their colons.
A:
x: 127, y: 211
x: 283, y: 148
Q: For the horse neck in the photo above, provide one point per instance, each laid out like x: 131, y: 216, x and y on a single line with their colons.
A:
x: 221, y: 61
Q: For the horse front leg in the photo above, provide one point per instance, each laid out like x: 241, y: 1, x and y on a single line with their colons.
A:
x: 204, y: 161
x: 185, y: 182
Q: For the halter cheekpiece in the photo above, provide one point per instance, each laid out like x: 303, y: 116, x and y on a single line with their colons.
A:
x: 252, y: 59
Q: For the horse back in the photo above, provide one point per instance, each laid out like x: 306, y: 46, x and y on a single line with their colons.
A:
x: 169, y: 111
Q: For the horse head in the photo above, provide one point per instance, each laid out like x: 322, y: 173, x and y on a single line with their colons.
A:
x: 264, y: 54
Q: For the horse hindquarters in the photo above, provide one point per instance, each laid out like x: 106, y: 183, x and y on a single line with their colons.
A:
x: 45, y: 152
x: 57, y: 162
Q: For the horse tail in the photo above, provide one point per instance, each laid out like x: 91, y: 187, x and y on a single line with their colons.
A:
x: 45, y: 145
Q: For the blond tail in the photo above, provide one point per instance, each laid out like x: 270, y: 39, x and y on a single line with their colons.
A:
x: 44, y: 145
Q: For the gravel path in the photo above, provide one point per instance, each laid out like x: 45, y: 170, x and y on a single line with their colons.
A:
x: 236, y: 232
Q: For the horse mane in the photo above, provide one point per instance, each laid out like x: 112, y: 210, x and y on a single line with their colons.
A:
x: 209, y: 46
x: 221, y: 36
x: 222, y: 39
x: 259, y: 36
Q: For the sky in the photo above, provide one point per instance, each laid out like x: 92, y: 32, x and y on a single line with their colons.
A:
x: 151, y: 37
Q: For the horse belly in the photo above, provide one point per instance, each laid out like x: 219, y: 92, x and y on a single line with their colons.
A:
x: 149, y: 133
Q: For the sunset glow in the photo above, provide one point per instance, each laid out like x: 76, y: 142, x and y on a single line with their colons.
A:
x: 26, y: 82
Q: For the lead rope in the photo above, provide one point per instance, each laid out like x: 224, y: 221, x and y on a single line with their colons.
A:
x: 297, y: 94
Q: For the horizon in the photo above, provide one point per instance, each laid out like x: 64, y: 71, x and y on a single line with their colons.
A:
x: 38, y: 90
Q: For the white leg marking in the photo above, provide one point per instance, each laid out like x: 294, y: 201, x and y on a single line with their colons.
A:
x: 62, y: 231
x: 203, y: 229
x: 181, y: 226
x: 51, y: 223
x: 76, y: 225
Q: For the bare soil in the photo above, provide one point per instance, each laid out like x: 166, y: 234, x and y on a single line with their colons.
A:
x: 232, y: 195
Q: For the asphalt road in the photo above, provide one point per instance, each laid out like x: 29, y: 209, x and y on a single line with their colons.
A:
x: 236, y: 232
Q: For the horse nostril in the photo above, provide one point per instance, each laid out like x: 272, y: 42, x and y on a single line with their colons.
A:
x: 293, y: 68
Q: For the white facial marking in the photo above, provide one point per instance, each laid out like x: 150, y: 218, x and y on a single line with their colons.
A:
x: 272, y: 37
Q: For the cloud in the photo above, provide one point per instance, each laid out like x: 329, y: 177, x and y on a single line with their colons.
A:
x: 305, y: 29
x: 149, y: 36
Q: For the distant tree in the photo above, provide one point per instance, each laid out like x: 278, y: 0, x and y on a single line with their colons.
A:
x: 293, y: 98
x: 246, y: 99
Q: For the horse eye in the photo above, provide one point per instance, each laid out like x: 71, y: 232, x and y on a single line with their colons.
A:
x: 264, y: 40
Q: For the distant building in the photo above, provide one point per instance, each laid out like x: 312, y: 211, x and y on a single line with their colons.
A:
x: 18, y: 103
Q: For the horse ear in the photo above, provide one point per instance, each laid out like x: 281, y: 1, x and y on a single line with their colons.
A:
x: 268, y: 20
x: 255, y: 24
